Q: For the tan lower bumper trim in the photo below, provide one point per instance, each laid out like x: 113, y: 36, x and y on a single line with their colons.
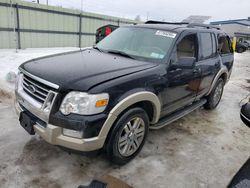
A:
x: 53, y: 135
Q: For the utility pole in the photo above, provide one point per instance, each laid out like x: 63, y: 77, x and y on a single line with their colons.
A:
x: 38, y: 1
x: 14, y: 24
x: 81, y: 5
x: 47, y: 2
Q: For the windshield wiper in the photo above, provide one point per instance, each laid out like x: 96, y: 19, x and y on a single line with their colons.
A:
x: 95, y: 47
x: 120, y: 53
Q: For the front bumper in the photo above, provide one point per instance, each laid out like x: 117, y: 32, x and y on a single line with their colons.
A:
x: 53, y: 135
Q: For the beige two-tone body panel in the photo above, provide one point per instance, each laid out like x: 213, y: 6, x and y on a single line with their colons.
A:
x: 126, y: 103
x: 54, y: 134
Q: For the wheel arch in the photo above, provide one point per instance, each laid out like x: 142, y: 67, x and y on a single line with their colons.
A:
x: 143, y: 98
x: 223, y: 73
x: 224, y: 76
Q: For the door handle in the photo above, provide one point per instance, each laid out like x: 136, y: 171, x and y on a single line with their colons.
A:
x: 197, y: 71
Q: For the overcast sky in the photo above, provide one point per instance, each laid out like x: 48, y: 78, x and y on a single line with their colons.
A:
x: 174, y: 10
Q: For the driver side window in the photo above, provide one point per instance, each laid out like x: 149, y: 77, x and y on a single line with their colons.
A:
x: 187, y: 47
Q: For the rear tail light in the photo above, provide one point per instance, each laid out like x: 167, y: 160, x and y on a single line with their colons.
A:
x: 108, y: 30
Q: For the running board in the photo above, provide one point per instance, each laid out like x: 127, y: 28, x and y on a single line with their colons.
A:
x: 177, y: 115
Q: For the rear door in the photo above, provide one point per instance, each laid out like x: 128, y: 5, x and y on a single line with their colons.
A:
x: 226, y: 51
x: 209, y: 61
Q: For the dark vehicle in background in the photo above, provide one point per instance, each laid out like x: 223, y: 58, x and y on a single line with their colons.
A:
x: 241, y: 47
x: 140, y: 77
x: 245, y: 113
x: 242, y: 178
x: 104, y: 31
x: 247, y: 43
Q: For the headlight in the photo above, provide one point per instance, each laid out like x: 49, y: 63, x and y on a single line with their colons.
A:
x: 84, y: 103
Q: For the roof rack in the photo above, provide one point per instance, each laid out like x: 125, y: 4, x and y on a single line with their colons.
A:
x: 190, y: 25
x: 160, y: 22
x: 207, y: 26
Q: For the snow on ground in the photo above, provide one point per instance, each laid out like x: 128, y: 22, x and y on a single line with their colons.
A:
x: 201, y: 150
x: 10, y: 59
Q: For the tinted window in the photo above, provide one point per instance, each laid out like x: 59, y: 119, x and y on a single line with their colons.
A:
x: 224, y: 45
x: 206, y: 45
x: 186, y: 47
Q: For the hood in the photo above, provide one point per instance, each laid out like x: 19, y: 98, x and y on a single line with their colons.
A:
x: 83, y: 70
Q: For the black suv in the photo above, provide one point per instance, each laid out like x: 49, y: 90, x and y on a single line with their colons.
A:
x: 138, y: 78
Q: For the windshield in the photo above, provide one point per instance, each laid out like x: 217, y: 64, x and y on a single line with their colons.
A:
x: 139, y: 43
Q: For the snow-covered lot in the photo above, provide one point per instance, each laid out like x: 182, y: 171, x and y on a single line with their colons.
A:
x: 10, y: 59
x: 203, y: 149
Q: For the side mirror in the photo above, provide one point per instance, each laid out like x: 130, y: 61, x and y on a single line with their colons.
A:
x: 184, y: 63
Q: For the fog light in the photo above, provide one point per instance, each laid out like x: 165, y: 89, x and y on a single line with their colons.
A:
x: 73, y: 133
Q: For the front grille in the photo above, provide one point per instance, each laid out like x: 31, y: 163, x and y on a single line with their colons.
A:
x: 35, y: 89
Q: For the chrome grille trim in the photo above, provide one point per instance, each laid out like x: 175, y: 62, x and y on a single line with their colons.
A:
x: 26, y: 80
x: 40, y: 93
x: 39, y: 102
x: 26, y: 89
x: 45, y: 82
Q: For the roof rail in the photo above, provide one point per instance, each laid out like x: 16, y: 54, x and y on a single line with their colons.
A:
x: 160, y: 22
x: 190, y: 25
x: 207, y: 26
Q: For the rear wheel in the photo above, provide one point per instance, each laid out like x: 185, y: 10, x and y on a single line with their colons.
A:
x: 214, y: 97
x: 128, y: 136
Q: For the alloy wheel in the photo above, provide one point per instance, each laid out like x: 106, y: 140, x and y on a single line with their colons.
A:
x: 131, y: 137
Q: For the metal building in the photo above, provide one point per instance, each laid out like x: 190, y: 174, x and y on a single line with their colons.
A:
x: 31, y: 25
x: 239, y: 28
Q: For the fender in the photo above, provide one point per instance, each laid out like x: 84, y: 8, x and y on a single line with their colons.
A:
x: 127, y: 102
x: 218, y: 75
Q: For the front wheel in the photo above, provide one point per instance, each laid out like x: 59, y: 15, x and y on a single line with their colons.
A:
x: 128, y: 136
x: 214, y: 97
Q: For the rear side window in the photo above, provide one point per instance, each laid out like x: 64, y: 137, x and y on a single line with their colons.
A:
x: 224, y: 45
x: 206, y: 45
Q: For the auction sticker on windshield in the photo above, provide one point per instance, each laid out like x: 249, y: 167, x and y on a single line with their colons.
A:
x: 165, y: 34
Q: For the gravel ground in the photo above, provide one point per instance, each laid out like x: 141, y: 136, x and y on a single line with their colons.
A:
x: 203, y: 149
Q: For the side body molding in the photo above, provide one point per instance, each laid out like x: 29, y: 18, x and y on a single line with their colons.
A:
x: 125, y: 103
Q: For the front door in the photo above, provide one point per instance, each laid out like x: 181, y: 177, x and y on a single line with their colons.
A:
x: 183, y: 83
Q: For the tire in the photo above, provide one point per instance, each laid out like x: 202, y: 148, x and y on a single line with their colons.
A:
x: 213, y: 99
x: 240, y: 50
x: 127, y: 135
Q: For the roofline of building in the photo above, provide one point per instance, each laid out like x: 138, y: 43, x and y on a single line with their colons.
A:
x: 223, y: 21
x: 242, y: 33
x: 229, y: 22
